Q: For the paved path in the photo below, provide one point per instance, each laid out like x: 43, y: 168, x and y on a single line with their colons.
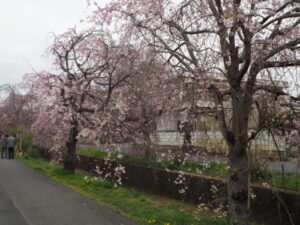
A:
x: 9, y: 214
x: 28, y: 197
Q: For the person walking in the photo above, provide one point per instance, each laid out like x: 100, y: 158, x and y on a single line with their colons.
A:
x: 4, y: 146
x: 11, y: 144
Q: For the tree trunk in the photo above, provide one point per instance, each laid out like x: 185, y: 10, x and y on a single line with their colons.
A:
x: 187, y: 147
x: 187, y: 137
x: 70, y: 157
x: 238, y: 181
x: 237, y: 192
x: 150, y: 152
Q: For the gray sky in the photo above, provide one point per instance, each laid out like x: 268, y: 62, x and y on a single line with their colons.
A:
x: 26, y: 27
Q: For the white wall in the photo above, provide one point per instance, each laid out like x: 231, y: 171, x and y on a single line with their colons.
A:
x: 214, y: 139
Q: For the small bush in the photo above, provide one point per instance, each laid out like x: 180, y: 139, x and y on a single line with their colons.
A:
x: 33, y: 152
x: 258, y: 165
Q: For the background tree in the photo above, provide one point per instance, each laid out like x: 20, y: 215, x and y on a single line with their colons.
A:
x: 17, y: 114
x: 89, y: 65
x: 147, y: 94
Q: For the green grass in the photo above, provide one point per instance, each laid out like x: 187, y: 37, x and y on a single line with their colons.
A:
x: 287, y: 181
x: 210, y: 169
x: 94, y: 153
x: 126, y: 201
x: 290, y: 181
x: 286, y: 158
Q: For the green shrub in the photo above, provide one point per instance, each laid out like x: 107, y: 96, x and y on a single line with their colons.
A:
x: 33, y: 152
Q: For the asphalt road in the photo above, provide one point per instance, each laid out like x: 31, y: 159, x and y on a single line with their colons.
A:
x: 9, y: 214
x: 28, y: 197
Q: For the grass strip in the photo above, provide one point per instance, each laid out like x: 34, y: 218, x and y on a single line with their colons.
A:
x: 210, y: 169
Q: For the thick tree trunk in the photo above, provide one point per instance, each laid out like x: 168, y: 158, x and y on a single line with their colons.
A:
x: 70, y: 157
x: 238, y: 185
x: 238, y: 182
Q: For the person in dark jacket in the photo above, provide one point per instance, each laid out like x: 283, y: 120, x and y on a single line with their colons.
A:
x: 11, y: 144
x: 4, y: 146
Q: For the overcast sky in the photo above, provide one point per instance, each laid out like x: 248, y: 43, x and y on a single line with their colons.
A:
x: 26, y: 27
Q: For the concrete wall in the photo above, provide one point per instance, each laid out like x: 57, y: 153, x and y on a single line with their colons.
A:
x: 168, y: 134
x: 270, y: 206
x: 214, y: 139
x: 168, y: 121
